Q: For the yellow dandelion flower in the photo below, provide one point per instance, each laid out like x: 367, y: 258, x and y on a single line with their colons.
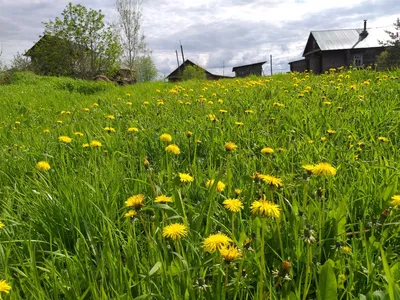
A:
x: 110, y: 117
x: 212, y: 118
x: 308, y: 168
x: 396, y: 200
x: 383, y: 139
x: 85, y: 145
x: 5, y: 287
x: 267, y: 150
x: 133, y: 129
x: 189, y: 134
x: 215, y: 242
x: 233, y: 205
x: 175, y: 231
x: 163, y: 199
x: 230, y: 253
x: 324, y: 169
x: 271, y: 180
x: 310, y: 142
x: 136, y: 201
x: 165, y: 137
x: 248, y: 111
x: 183, y: 177
x: 238, y: 192
x: 85, y: 109
x: 43, y: 166
x: 346, y: 249
x: 327, y: 102
x: 46, y: 130
x: 331, y: 131
x: 239, y: 123
x: 95, y: 144
x: 59, y: 122
x: 64, y: 139
x: 17, y: 122
x: 131, y: 213
x: 220, y: 185
x: 174, y: 149
x: 265, y: 208
x: 79, y: 133
x: 109, y: 129
x: 2, y: 225
x: 230, y: 146
x: 324, y: 139
x: 222, y: 111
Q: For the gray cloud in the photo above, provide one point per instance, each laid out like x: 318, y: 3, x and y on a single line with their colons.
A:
x: 211, y: 31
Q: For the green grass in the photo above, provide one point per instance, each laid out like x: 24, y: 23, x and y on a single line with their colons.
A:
x: 66, y: 235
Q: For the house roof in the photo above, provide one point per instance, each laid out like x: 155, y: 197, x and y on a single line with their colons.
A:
x: 347, y: 39
x: 249, y: 65
x: 177, y: 72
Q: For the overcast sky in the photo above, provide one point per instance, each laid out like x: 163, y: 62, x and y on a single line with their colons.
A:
x: 212, y: 32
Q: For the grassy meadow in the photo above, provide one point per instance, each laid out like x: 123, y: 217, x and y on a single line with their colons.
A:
x: 282, y: 187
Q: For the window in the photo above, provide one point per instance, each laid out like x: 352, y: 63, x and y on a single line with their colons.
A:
x: 358, y: 60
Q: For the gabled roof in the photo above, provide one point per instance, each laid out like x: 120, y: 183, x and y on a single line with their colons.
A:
x: 249, y: 65
x: 178, y: 71
x: 346, y: 39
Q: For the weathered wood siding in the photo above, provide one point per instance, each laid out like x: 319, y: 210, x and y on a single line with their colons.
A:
x: 299, y: 66
x: 248, y: 70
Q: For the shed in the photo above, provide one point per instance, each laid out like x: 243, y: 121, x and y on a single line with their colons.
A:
x: 247, y: 70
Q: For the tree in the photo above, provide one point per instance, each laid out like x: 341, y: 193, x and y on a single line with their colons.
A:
x: 131, y: 38
x: 81, y: 43
x: 193, y: 72
x: 145, y: 69
x: 20, y: 63
x: 390, y: 58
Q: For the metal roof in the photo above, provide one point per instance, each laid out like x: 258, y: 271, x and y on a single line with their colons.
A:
x: 349, y: 38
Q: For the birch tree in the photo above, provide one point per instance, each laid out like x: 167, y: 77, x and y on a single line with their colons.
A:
x: 132, y: 38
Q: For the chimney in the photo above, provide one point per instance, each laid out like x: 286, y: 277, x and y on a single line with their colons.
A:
x: 364, y: 33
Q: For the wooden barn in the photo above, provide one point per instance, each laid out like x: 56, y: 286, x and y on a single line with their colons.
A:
x: 334, y: 48
x: 247, y: 70
x: 176, y: 75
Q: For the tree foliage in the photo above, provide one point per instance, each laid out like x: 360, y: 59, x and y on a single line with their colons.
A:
x: 390, y: 58
x: 79, y: 44
x: 145, y: 69
x: 193, y: 72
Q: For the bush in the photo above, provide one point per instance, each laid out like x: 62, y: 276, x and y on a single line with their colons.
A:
x: 193, y: 72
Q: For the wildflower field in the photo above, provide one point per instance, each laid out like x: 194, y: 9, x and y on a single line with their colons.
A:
x: 282, y: 187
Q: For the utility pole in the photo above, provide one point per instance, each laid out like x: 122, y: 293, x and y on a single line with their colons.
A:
x: 270, y: 62
x: 183, y: 57
x: 177, y: 58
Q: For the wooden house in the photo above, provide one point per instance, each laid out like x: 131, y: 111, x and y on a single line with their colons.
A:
x: 334, y: 48
x: 247, y: 70
x: 176, y: 75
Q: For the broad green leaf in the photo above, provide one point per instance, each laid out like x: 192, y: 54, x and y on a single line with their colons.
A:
x: 327, y: 281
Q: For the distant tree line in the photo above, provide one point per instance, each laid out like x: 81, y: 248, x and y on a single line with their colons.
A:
x: 80, y: 44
